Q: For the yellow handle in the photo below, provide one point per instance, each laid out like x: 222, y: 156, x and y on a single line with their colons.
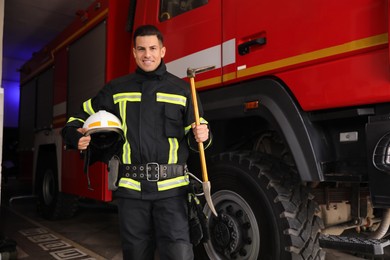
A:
x: 197, y: 122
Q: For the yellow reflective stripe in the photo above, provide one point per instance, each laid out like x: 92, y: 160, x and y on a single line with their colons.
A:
x: 87, y: 106
x: 173, y: 147
x: 173, y: 183
x: 122, y: 99
x: 126, y: 151
x: 127, y: 96
x: 161, y: 185
x: 129, y: 184
x: 203, y: 121
x: 192, y: 197
x: 74, y: 119
x: 196, y: 200
x: 171, y: 98
x: 187, y: 129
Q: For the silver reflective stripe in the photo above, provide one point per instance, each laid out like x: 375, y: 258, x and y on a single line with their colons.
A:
x: 127, y: 96
x: 161, y: 185
x: 121, y: 99
x: 173, y: 147
x: 173, y: 183
x: 126, y: 150
x: 129, y: 184
x: 87, y: 106
x: 171, y: 98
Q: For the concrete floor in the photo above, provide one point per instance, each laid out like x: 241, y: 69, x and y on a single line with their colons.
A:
x: 92, y: 234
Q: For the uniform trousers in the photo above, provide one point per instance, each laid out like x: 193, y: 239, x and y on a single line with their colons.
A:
x: 149, y: 224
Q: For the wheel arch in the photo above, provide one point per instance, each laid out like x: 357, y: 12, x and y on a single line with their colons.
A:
x: 278, y: 110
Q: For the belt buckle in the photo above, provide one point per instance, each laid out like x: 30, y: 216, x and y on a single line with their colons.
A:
x: 149, y: 176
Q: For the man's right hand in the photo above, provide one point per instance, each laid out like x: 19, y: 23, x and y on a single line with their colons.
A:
x: 83, y: 141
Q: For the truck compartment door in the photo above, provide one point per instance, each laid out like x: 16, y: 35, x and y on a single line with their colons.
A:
x: 27, y: 115
x: 86, y: 76
x: 44, y: 100
x: 87, y: 61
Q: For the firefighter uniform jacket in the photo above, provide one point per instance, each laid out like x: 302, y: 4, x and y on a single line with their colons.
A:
x: 156, y: 113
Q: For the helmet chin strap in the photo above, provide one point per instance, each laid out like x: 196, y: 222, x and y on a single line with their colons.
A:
x: 87, y: 157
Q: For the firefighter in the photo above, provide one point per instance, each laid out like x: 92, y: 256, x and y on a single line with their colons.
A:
x: 157, y: 118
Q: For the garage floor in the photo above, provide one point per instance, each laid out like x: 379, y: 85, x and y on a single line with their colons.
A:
x: 92, y: 234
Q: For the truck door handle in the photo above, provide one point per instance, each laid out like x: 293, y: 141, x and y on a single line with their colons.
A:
x: 243, y: 48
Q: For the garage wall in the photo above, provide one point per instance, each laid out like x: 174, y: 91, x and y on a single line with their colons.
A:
x: 1, y: 89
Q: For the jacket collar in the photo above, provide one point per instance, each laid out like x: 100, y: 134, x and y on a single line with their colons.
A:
x: 156, y: 74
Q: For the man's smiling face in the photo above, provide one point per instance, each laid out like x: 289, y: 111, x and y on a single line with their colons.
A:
x: 148, y: 52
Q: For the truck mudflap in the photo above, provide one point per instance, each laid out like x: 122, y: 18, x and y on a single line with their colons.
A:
x: 378, y: 155
x: 354, y: 244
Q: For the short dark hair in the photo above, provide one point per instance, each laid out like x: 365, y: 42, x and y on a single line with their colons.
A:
x: 148, y: 30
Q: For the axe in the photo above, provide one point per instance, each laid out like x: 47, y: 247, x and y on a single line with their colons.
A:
x: 205, y: 184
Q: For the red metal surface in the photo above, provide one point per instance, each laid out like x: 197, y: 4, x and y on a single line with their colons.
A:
x: 356, y: 80
x: 187, y: 33
x: 60, y: 76
x: 118, y: 40
x: 74, y: 180
x: 335, y: 79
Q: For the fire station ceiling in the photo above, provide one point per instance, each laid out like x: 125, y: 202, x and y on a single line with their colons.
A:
x: 29, y: 25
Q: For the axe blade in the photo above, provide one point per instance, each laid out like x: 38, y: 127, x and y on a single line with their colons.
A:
x: 207, y: 194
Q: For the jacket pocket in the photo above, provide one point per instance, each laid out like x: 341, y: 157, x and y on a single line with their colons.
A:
x: 173, y: 121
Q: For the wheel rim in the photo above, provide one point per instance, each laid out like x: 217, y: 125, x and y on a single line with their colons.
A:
x: 235, y: 232
x: 48, y: 187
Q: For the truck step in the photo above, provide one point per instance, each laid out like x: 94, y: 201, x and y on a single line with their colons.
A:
x: 354, y: 244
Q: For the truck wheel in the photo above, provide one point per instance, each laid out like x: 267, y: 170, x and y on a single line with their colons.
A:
x: 51, y: 203
x: 264, y: 212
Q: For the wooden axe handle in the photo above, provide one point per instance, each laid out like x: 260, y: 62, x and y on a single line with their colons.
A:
x: 197, y: 122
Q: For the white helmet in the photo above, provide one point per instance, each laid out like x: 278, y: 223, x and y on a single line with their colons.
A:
x: 102, y: 121
x: 105, y: 130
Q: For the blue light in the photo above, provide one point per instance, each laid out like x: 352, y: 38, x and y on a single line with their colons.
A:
x: 11, y: 103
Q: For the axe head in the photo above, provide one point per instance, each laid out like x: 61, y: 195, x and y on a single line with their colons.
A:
x: 207, y: 194
x: 192, y: 71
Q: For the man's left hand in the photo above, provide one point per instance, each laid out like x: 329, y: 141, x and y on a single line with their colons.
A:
x: 201, y: 132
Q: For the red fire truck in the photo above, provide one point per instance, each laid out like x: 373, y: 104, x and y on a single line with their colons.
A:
x: 298, y: 104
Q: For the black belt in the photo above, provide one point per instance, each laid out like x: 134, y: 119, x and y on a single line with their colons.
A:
x: 152, y: 171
